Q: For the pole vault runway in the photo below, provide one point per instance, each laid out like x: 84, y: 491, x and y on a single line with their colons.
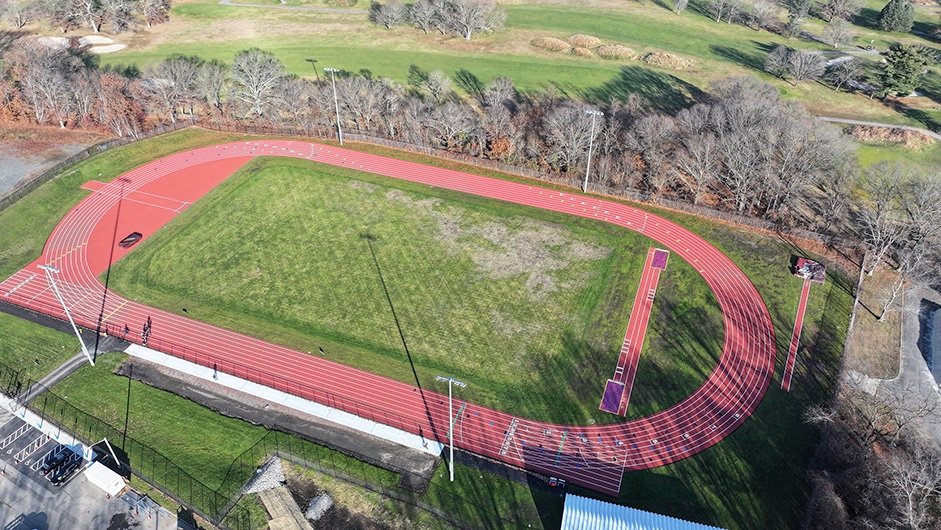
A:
x: 83, y: 245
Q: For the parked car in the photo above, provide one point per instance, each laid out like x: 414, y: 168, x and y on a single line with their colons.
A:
x: 55, y: 459
x: 66, y: 469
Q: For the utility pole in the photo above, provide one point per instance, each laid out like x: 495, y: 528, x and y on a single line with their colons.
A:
x: 336, y: 104
x: 451, y: 381
x: 591, y: 137
x: 55, y: 289
x: 313, y: 64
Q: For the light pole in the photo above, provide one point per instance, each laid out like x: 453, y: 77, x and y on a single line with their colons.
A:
x: 591, y: 137
x: 451, y: 381
x: 49, y: 271
x: 336, y: 104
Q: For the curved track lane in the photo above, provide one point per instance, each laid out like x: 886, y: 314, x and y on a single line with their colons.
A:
x: 81, y: 246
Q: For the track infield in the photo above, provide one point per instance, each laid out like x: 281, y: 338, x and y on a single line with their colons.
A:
x: 595, y: 456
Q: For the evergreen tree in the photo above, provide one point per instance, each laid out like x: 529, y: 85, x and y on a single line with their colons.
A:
x: 905, y: 66
x: 897, y: 15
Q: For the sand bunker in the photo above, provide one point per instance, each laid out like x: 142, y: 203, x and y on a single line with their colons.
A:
x: 95, y: 40
x: 111, y: 48
x: 60, y: 43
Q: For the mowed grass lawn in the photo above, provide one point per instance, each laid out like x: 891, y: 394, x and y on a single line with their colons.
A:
x: 528, y: 307
x: 32, y: 349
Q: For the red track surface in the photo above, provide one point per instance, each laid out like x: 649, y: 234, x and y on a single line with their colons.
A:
x: 795, y: 337
x: 633, y: 343
x: 82, y: 246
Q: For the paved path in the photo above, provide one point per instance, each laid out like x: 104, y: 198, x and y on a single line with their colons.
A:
x: 926, y: 132
x: 915, y: 384
x: 82, y: 247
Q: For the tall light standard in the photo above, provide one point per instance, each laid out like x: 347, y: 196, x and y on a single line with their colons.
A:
x: 49, y: 271
x: 336, y: 104
x: 591, y: 137
x: 451, y: 381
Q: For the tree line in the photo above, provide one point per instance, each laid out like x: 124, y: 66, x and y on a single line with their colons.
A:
x: 740, y: 148
x: 116, y: 16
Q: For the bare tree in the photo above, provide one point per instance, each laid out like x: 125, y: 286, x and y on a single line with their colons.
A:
x: 776, y: 63
x: 915, y: 481
x: 424, y: 14
x: 730, y: 9
x: 839, y: 9
x: 653, y: 137
x: 566, y: 129
x: 437, y: 85
x: 118, y: 108
x: 171, y: 83
x: 91, y: 12
x: 18, y: 13
x: 915, y: 265
x: 154, y: 11
x: 838, y: 33
x: 391, y: 13
x: 211, y: 83
x: 843, y: 73
x: 764, y: 13
x: 880, y: 218
x: 42, y: 74
x: 803, y: 65
x: 255, y: 76
x: 920, y: 199
x: 499, y: 92
x: 680, y: 5
x: 451, y: 124
x: 120, y: 15
x: 699, y: 162
x: 467, y: 17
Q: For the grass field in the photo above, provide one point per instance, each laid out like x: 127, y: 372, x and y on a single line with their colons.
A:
x: 35, y: 350
x: 345, y: 39
x: 483, y: 290
x: 756, y: 477
x: 205, y: 444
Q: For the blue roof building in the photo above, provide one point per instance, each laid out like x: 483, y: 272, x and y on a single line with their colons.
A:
x: 582, y: 513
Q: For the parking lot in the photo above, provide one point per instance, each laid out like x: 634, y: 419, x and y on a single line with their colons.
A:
x: 29, y: 500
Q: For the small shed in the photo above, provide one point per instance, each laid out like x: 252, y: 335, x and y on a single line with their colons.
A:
x: 106, y: 480
x: 582, y: 513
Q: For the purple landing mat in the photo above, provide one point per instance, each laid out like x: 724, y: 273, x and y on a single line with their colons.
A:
x: 611, y: 399
x: 660, y: 259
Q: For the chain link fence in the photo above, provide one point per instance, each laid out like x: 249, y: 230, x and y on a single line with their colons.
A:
x: 220, y: 505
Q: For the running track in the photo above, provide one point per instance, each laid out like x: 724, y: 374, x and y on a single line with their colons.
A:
x: 592, y: 456
x: 795, y: 337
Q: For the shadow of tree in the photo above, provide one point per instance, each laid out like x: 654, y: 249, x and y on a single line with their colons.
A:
x: 927, y: 332
x: 754, y: 60
x: 662, y: 91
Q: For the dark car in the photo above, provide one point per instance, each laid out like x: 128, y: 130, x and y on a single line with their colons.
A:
x: 55, y: 458
x: 66, y: 469
x: 131, y: 238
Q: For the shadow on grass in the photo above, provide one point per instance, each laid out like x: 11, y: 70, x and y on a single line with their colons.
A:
x: 754, y: 60
x: 662, y: 91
